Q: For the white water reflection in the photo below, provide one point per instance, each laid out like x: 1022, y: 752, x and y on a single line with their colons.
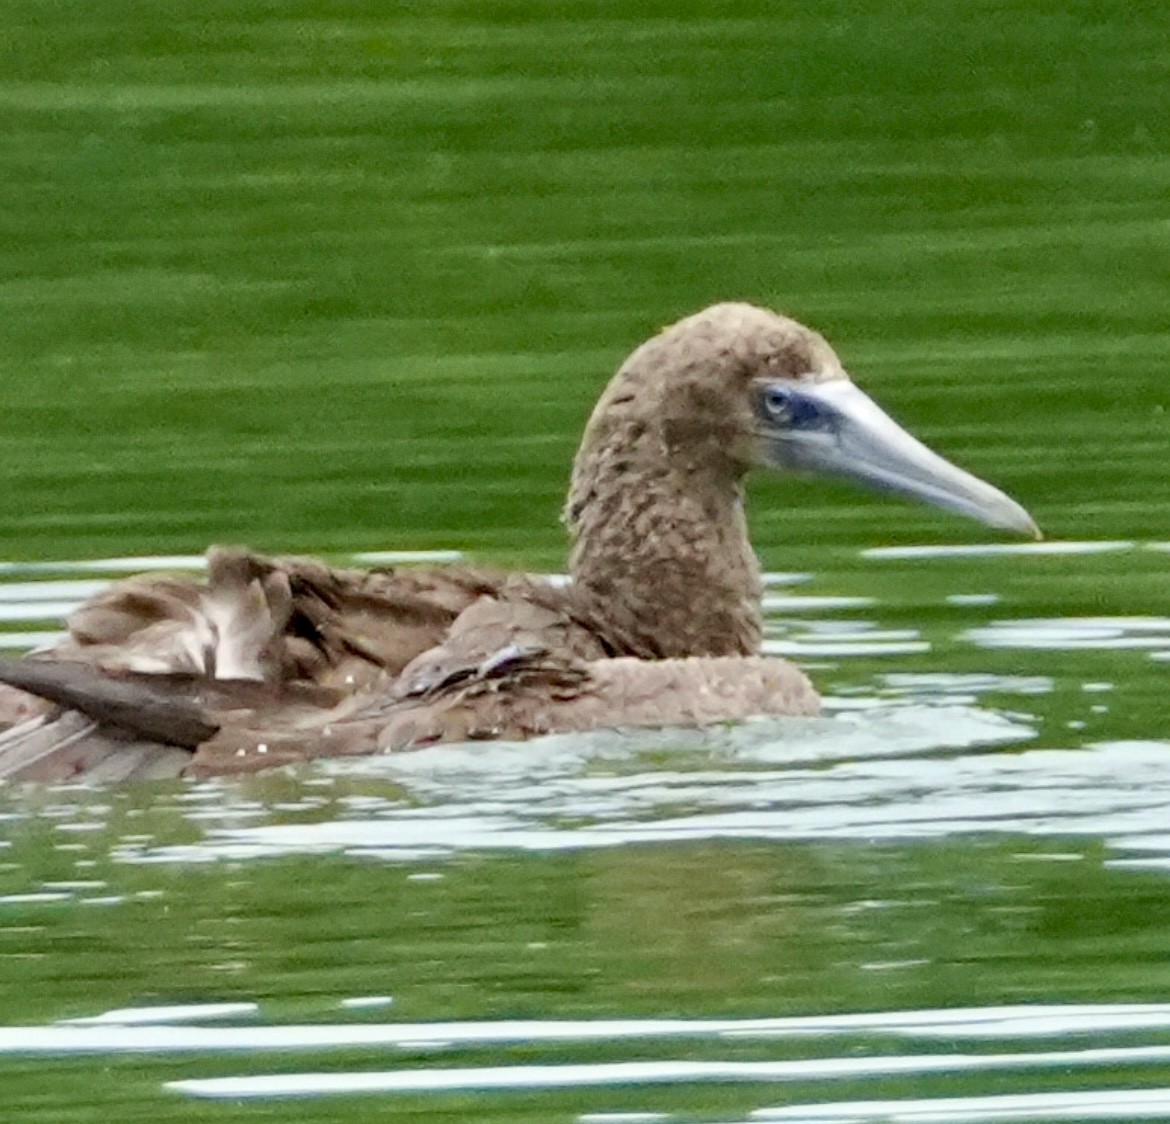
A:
x: 24, y: 641
x: 14, y: 612
x: 890, y: 643
x: 623, y: 1117
x: 973, y: 600
x: 156, y: 1016
x: 961, y: 687
x: 1074, y: 634
x: 835, y: 637
x: 807, y: 603
x: 772, y: 578
x: 689, y: 1072
x: 991, y: 550
x: 1105, y: 1104
x: 66, y: 591
x: 133, y: 1030
x: 137, y: 564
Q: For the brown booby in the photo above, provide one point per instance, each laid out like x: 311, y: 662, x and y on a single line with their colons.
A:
x: 267, y: 661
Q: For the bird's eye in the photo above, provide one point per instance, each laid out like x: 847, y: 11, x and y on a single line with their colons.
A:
x: 792, y: 408
x: 778, y: 403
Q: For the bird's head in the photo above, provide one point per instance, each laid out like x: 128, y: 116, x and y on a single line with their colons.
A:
x: 736, y: 386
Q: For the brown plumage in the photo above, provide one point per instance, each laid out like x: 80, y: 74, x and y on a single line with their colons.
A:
x: 274, y: 660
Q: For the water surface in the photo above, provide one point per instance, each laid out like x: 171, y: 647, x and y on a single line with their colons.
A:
x: 944, y: 900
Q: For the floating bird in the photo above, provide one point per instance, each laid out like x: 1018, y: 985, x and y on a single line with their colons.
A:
x: 267, y: 661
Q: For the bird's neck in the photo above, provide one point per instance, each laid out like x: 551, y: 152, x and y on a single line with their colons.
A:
x: 661, y: 562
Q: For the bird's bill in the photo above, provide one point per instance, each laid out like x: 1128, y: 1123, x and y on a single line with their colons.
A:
x: 851, y: 436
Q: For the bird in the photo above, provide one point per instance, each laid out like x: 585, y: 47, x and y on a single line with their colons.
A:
x: 267, y: 661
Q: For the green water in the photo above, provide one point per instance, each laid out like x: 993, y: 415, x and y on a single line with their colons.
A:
x: 339, y: 277
x: 332, y: 276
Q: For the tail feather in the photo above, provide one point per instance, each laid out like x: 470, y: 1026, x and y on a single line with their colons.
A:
x: 131, y: 705
x: 41, y: 745
x: 67, y: 745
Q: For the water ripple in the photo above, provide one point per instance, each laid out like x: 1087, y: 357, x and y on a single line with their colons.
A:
x: 527, y: 1077
x: 1105, y: 1104
x: 1118, y: 791
x: 1074, y: 634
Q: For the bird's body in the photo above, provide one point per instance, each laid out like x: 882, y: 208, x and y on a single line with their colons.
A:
x: 268, y: 661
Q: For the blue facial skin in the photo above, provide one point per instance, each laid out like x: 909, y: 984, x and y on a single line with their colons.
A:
x: 808, y: 434
x: 784, y: 406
